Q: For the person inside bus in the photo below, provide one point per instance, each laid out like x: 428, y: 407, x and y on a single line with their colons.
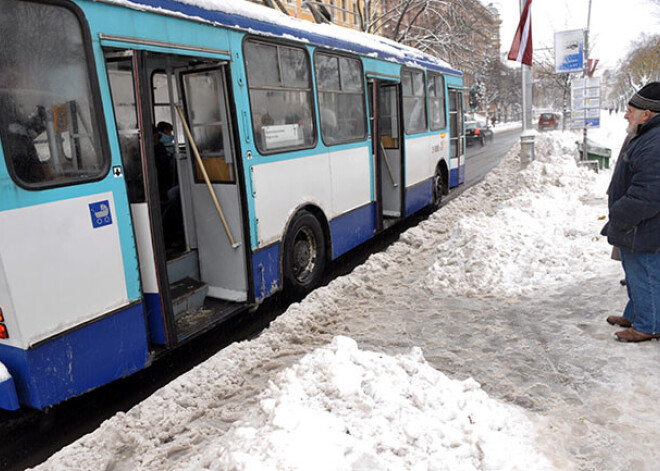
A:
x: 20, y: 131
x: 164, y: 155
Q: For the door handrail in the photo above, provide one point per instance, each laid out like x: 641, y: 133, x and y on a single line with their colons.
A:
x: 207, y: 180
x: 387, y: 163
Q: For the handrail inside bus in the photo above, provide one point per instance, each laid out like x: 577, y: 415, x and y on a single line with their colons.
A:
x: 207, y: 180
x: 387, y: 163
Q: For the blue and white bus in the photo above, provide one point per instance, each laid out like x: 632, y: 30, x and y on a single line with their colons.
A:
x: 166, y: 164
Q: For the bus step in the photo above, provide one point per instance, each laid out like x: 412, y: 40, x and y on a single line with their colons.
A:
x: 185, y: 265
x: 187, y: 295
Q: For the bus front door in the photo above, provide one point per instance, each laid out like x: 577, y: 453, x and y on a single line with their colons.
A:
x: 179, y: 179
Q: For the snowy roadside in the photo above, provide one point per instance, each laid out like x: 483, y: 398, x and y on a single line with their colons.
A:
x: 304, y: 396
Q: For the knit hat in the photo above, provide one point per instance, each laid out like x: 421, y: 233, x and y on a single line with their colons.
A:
x: 648, y: 98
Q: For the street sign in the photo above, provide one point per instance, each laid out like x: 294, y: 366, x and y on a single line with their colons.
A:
x: 585, y: 103
x: 569, y: 51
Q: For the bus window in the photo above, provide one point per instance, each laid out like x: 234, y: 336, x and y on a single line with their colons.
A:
x: 48, y: 121
x: 414, y: 102
x: 120, y: 76
x: 205, y: 98
x: 280, y: 96
x: 437, y: 115
x: 341, y: 98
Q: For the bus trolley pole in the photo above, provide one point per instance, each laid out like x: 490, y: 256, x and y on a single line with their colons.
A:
x: 207, y: 180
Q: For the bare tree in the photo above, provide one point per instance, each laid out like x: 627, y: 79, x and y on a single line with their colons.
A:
x: 640, y: 66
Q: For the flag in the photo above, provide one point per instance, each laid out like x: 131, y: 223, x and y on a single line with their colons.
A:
x: 591, y: 66
x: 521, y: 49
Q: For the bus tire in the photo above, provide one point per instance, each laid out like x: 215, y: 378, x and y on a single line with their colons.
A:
x: 303, y: 263
x: 439, y: 188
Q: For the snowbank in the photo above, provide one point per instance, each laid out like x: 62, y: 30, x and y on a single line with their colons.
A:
x: 303, y: 396
x: 344, y: 408
x: 510, y: 234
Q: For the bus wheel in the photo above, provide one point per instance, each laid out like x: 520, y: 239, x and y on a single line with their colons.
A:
x: 439, y: 188
x: 304, y: 254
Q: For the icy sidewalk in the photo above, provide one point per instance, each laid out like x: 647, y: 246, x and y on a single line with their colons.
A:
x: 507, y: 287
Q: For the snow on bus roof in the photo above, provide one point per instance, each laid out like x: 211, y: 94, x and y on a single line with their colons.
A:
x: 259, y: 19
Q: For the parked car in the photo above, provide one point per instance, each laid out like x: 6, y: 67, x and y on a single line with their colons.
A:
x: 478, y: 132
x: 548, y: 122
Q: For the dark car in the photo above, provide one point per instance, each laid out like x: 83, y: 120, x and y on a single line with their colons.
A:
x: 548, y: 122
x: 478, y: 132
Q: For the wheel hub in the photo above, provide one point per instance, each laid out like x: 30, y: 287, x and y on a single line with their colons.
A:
x: 304, y: 255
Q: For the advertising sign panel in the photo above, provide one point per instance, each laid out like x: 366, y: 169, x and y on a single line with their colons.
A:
x: 569, y: 51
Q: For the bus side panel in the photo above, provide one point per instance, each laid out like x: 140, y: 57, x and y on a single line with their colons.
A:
x: 419, y: 196
x: 282, y: 186
x: 154, y: 313
x: 453, y: 175
x: 266, y: 271
x: 419, y: 162
x: 78, y: 361
x: 456, y: 174
x: 353, y: 228
x: 63, y: 264
x: 352, y: 175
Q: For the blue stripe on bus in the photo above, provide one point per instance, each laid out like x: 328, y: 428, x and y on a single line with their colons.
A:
x: 266, y: 271
x: 418, y: 196
x: 456, y: 176
x: 155, y: 320
x: 78, y: 361
x: 353, y: 228
x: 8, y: 395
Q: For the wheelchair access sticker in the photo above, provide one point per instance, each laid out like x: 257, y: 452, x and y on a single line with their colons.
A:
x: 100, y: 212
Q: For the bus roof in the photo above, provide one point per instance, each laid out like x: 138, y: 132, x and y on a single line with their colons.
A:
x: 254, y: 18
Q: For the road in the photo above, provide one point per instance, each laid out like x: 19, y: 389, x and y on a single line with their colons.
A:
x: 481, y: 160
x: 28, y: 437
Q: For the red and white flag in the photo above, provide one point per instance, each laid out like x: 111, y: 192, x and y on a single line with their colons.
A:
x: 521, y: 49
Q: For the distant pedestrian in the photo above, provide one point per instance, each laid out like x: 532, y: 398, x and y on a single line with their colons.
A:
x: 634, y: 217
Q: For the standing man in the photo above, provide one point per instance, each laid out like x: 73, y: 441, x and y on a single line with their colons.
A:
x: 634, y: 217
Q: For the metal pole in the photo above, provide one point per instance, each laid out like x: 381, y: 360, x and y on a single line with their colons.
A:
x: 527, y: 137
x: 585, y: 75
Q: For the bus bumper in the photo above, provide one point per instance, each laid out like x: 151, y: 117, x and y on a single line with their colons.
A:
x: 8, y: 395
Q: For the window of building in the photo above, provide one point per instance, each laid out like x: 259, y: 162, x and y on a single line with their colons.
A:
x: 414, y: 101
x: 48, y: 121
x: 436, y: 93
x: 279, y: 82
x: 340, y: 85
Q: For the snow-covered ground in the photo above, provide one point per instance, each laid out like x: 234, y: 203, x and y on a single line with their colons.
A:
x: 476, y: 342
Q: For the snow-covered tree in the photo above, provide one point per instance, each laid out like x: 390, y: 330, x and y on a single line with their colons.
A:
x: 640, y: 66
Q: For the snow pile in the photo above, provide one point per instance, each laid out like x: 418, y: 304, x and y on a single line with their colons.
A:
x: 302, y: 397
x: 523, y: 229
x: 341, y: 408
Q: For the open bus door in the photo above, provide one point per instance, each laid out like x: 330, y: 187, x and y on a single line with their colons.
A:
x: 387, y: 148
x: 193, y: 275
x: 456, y: 138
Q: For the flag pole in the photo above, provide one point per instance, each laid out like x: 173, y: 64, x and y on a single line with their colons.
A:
x: 527, y: 136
